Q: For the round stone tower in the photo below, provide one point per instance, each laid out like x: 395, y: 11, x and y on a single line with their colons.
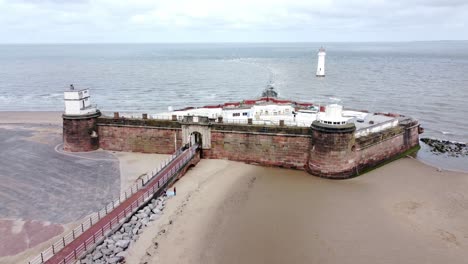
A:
x: 79, y: 121
x: 332, y: 152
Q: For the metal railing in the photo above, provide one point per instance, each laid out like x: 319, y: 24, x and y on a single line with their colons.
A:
x: 375, y: 128
x: 160, y: 176
x: 268, y: 122
x: 156, y: 117
x: 226, y: 121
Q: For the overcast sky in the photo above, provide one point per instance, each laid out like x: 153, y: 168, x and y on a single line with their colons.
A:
x: 97, y: 21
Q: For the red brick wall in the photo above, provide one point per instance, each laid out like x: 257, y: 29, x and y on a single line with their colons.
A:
x: 77, y: 135
x: 413, y: 136
x: 139, y: 139
x: 339, y: 155
x: 387, y: 148
x: 331, y: 153
x: 264, y: 149
x: 325, y: 153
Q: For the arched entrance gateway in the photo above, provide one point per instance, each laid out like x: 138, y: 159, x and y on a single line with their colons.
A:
x: 196, y: 138
x: 196, y: 130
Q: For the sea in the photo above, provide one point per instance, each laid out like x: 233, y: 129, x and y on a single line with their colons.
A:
x: 425, y: 80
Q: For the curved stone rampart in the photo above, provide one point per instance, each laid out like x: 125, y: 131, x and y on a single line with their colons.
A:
x: 80, y: 132
x: 332, y: 152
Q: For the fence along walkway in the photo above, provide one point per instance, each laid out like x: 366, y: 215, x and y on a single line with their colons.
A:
x: 71, y: 246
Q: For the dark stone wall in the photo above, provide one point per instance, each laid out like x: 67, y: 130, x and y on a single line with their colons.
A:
x: 322, y: 150
x: 138, y: 122
x: 279, y: 150
x: 77, y: 133
x: 332, y: 151
x: 384, y: 146
x: 140, y: 139
x: 261, y: 129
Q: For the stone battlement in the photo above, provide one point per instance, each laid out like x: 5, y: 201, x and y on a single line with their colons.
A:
x: 323, y: 150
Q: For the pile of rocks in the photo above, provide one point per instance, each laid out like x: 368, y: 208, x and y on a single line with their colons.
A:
x: 112, y: 250
x: 453, y: 149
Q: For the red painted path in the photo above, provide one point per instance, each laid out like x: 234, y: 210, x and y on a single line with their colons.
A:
x: 67, y: 254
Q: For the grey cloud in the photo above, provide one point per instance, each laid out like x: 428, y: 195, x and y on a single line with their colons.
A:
x: 441, y: 3
x: 83, y: 20
x: 61, y: 2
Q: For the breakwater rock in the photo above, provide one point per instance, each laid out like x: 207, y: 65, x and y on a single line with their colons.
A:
x: 450, y: 148
x: 112, y: 250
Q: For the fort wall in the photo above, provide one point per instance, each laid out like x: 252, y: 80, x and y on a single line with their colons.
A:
x: 80, y: 132
x: 139, y: 135
x: 279, y: 150
x: 380, y: 147
x: 332, y: 151
x: 323, y: 150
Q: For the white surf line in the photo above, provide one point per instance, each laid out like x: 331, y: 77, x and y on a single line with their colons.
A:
x: 78, y: 156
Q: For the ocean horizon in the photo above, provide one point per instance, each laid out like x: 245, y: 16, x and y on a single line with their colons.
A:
x: 422, y: 79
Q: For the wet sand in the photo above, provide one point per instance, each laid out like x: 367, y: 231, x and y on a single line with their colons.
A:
x: 26, y: 239
x: 36, y: 117
x: 45, y: 192
x: 229, y: 212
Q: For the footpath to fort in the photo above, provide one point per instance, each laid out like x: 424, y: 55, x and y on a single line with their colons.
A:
x: 73, y: 250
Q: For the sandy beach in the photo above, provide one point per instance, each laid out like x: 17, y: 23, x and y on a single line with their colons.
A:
x: 37, y: 117
x: 135, y: 165
x: 229, y: 212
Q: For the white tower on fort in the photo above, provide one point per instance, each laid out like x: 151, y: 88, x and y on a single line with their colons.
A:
x: 321, y: 63
x: 77, y: 102
x: 333, y: 115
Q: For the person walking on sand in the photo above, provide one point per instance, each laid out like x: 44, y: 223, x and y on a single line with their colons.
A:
x: 174, y: 191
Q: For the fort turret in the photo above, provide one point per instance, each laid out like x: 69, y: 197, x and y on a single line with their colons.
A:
x: 332, y: 151
x: 79, y: 121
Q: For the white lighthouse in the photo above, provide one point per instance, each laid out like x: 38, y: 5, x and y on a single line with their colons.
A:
x: 321, y: 63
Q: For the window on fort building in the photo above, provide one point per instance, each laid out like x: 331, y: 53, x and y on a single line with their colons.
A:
x: 245, y: 114
x: 236, y: 114
x: 266, y: 112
